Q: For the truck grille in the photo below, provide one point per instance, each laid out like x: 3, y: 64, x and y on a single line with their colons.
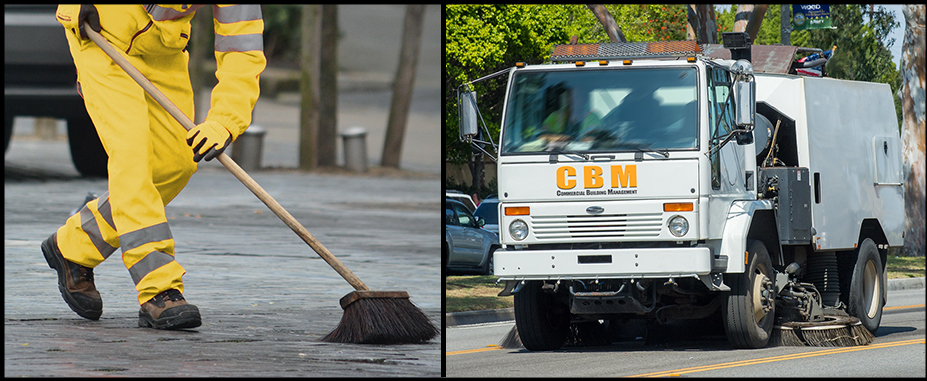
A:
x: 600, y: 226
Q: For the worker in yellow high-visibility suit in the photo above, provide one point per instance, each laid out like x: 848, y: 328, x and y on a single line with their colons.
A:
x: 150, y: 155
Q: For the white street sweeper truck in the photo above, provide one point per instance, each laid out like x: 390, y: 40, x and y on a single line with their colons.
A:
x: 669, y: 180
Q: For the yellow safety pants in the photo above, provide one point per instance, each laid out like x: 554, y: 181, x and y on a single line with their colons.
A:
x: 149, y: 164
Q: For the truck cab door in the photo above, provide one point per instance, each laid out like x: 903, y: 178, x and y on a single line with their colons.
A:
x: 728, y: 164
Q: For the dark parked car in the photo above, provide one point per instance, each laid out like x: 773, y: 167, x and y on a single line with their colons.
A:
x: 489, y: 212
x: 467, y: 247
x: 40, y: 80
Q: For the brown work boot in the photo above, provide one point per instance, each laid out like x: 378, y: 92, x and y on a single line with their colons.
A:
x: 74, y: 281
x: 168, y: 310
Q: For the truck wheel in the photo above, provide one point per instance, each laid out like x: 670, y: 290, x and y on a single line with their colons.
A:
x: 866, y: 286
x: 543, y: 323
x: 749, y: 311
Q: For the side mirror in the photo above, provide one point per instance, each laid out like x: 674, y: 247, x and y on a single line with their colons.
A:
x: 466, y: 112
x: 745, y: 95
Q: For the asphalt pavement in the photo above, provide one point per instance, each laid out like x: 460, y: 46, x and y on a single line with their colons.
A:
x: 266, y: 298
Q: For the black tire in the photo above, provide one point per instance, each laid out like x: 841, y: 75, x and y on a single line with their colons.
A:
x: 866, y: 286
x: 487, y: 268
x: 543, y: 322
x: 745, y: 325
x: 86, y: 150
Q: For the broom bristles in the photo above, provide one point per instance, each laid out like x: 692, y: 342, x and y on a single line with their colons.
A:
x: 841, y: 332
x: 382, y: 321
x: 785, y: 336
x: 511, y: 339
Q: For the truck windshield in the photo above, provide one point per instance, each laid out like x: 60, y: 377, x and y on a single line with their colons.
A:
x: 601, y: 110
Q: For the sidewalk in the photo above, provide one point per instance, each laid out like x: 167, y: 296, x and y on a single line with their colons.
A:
x: 508, y: 314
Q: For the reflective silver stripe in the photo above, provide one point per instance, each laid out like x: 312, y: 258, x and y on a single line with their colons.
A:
x: 237, y: 13
x: 106, y: 210
x: 89, y: 225
x: 142, y: 236
x: 240, y: 43
x: 159, y: 13
x: 151, y: 262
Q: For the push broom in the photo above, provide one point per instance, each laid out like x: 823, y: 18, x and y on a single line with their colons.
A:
x: 370, y: 317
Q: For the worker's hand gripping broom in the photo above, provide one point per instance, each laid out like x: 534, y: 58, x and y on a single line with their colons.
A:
x: 374, y: 317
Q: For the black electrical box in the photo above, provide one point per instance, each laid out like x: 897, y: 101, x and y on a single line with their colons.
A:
x: 792, y: 188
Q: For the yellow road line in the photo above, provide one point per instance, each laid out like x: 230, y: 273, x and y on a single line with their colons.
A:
x: 901, y: 307
x: 780, y: 358
x: 488, y: 348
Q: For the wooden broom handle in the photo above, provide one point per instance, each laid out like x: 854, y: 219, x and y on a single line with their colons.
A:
x: 229, y: 163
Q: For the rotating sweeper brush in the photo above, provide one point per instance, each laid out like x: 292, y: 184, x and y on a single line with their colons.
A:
x: 802, y: 320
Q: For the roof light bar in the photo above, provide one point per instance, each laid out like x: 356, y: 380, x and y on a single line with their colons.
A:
x: 619, y: 50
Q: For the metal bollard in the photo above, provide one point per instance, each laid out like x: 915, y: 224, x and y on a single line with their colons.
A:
x: 355, y: 149
x: 248, y: 149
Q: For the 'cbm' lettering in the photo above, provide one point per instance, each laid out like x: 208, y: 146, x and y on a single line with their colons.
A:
x: 622, y: 176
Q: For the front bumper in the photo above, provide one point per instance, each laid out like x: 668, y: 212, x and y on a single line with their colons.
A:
x: 603, y: 263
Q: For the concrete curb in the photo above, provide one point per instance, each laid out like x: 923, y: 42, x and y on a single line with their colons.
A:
x: 508, y: 314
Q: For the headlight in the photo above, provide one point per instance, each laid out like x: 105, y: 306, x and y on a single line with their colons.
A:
x: 518, y: 229
x: 678, y: 226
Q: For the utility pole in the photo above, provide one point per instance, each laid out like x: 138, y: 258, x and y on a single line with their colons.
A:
x: 785, y: 25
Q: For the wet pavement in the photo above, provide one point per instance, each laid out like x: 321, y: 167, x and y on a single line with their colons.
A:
x: 266, y: 298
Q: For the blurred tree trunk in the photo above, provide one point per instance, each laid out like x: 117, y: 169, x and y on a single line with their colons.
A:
x: 309, y: 87
x: 748, y: 19
x: 328, y: 87
x: 403, y: 85
x: 199, y: 50
x: 608, y: 22
x: 701, y: 25
x: 913, y: 135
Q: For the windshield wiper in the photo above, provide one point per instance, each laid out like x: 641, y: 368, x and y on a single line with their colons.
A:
x: 554, y: 156
x: 638, y: 156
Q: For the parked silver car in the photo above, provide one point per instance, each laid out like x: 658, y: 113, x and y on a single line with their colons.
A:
x: 467, y: 247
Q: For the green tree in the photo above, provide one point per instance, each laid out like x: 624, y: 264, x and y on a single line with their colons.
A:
x: 482, y: 39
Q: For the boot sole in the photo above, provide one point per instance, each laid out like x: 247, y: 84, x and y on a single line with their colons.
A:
x: 187, y: 317
x: 55, y: 262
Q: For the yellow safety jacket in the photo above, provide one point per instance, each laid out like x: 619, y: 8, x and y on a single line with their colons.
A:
x: 149, y: 159
x: 155, y: 29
